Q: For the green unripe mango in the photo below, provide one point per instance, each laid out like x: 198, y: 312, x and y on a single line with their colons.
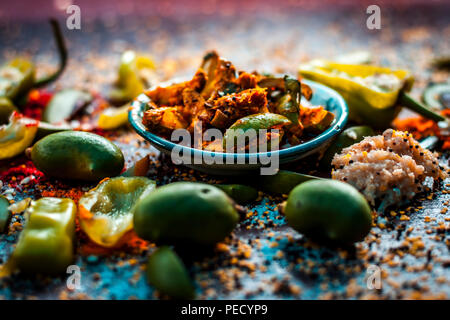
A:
x: 185, y: 213
x: 167, y: 273
x: 329, y: 210
x: 77, y: 155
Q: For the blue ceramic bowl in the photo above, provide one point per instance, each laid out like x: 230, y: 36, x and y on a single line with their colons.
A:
x: 244, y: 163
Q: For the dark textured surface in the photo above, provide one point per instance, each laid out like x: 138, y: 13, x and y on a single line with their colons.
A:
x: 264, y: 257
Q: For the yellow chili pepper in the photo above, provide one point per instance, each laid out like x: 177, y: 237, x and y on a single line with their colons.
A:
x: 370, y: 102
x: 16, y: 78
x: 17, y: 135
x: 113, y: 118
x: 130, y: 81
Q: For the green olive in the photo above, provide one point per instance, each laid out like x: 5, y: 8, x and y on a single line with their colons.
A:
x: 185, y: 212
x: 167, y: 273
x: 77, y: 155
x: 329, y: 210
x: 348, y: 137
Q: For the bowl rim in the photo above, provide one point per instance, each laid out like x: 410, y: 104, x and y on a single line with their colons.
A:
x: 135, y: 119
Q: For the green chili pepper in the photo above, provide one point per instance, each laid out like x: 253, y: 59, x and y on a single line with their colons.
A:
x: 17, y: 77
x: 46, y: 243
x: 240, y: 193
x: 376, y: 102
x: 288, y: 105
x: 406, y: 100
x: 130, y: 82
x: 167, y: 273
x: 62, y: 51
x: 106, y: 212
x: 282, y: 182
x: 348, y: 137
x: 5, y: 214
x: 255, y: 122
x: 65, y: 104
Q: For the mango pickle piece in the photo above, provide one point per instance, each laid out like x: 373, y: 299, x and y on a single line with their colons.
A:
x: 316, y: 119
x: 106, y: 212
x: 256, y: 122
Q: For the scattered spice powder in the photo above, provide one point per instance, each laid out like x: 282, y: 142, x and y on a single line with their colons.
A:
x: 421, y: 127
x: 13, y: 176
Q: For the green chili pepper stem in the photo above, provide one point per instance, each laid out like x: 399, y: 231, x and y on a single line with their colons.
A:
x: 409, y: 102
x: 62, y: 50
